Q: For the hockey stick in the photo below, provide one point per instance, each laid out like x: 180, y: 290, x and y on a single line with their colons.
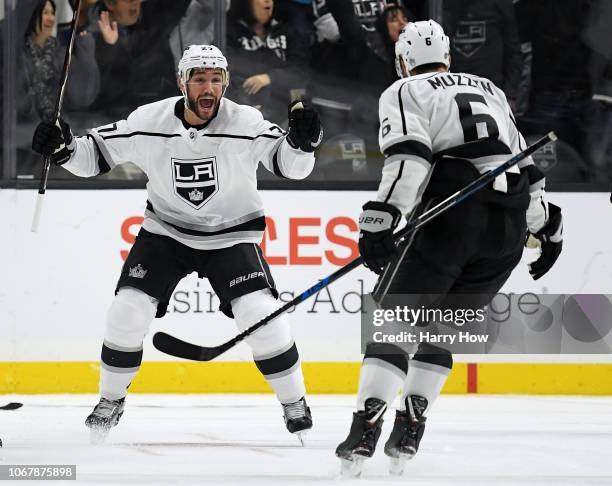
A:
x: 11, y: 406
x: 182, y: 349
x: 42, y: 188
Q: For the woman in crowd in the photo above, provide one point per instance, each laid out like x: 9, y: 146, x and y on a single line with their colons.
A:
x: 41, y: 62
x: 354, y: 54
x: 42, y: 66
x: 389, y: 24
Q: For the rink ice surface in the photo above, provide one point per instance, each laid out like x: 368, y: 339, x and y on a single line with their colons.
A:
x: 241, y: 439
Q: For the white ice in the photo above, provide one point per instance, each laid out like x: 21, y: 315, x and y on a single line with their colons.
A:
x: 241, y: 439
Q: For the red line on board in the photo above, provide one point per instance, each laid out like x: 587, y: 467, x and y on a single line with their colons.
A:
x: 472, y: 378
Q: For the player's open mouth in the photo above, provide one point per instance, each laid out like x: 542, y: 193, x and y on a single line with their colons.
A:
x: 206, y: 103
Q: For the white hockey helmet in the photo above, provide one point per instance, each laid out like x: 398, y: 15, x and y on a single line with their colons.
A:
x: 421, y: 43
x: 203, y: 57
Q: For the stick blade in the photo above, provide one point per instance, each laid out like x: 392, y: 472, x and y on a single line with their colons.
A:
x: 11, y: 406
x: 182, y: 349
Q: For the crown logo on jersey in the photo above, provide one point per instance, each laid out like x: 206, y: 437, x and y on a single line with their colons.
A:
x: 137, y: 271
x: 196, y: 195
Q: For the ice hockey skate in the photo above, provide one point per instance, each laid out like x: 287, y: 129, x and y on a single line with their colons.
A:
x: 406, y: 435
x: 105, y: 415
x: 363, y: 436
x: 298, y: 418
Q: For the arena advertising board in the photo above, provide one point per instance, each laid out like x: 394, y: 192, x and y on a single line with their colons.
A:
x: 58, y: 284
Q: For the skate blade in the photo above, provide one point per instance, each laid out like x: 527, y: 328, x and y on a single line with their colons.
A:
x: 351, y: 468
x: 98, y: 436
x: 301, y: 435
x: 397, y: 464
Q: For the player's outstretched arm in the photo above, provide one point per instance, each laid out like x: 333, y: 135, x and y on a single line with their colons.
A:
x: 76, y: 154
x: 291, y: 155
x: 305, y: 130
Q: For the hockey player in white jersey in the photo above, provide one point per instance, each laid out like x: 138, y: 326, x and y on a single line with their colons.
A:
x: 439, y: 131
x: 200, y: 152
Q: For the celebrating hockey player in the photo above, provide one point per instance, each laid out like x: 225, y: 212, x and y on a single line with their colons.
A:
x: 200, y: 152
x: 464, y: 124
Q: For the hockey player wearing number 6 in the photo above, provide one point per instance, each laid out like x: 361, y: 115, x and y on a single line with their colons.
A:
x: 439, y: 131
x: 200, y: 152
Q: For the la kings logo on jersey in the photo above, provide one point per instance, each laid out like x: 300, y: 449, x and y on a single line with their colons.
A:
x: 195, y: 180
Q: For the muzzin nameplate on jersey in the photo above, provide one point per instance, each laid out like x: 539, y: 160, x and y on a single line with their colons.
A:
x: 195, y: 180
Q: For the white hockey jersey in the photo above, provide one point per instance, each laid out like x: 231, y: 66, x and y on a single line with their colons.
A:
x: 462, y: 115
x: 202, y: 187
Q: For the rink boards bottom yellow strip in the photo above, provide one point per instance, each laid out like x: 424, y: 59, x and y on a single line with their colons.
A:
x: 324, y: 377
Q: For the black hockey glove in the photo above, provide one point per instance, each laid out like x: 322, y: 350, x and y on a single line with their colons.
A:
x: 550, y: 238
x: 376, y: 225
x: 305, y: 130
x: 51, y: 141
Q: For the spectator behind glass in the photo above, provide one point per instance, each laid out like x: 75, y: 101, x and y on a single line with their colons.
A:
x: 560, y: 85
x: 267, y: 62
x: 85, y: 14
x: 390, y: 23
x: 197, y: 27
x: 485, y: 41
x: 354, y: 54
x: 354, y: 43
x: 42, y: 65
x: 133, y: 53
x: 39, y: 69
x: 298, y: 14
x: 599, y: 119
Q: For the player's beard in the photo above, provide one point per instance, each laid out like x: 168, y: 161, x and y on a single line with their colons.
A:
x: 198, y: 106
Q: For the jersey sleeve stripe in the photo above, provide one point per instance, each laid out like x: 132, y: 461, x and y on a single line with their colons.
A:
x: 399, y: 176
x: 276, y: 166
x: 243, y: 137
x: 103, y: 153
x: 172, y: 135
x: 485, y: 147
x: 112, y: 128
x: 412, y: 158
x: 522, y: 145
x: 401, y: 107
x: 277, y: 162
x: 146, y: 134
x: 103, y: 165
x: 537, y: 186
x: 410, y: 147
x: 279, y: 129
x: 537, y: 181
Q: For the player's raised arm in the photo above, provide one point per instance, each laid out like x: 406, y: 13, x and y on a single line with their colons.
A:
x: 290, y: 155
x: 93, y: 154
